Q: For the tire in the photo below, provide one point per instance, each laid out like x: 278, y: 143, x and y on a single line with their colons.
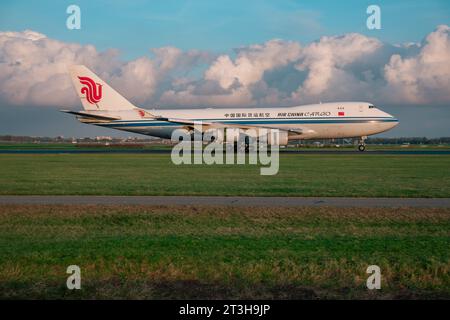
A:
x: 361, y: 147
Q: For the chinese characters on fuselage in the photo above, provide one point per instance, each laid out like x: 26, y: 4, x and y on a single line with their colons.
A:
x: 279, y: 115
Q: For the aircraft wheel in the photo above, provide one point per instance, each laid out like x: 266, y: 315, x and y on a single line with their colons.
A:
x: 361, y: 147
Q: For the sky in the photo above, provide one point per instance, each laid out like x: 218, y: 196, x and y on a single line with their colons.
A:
x: 202, y: 53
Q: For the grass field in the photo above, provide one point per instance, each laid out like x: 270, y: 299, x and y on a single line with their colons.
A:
x: 95, y: 146
x: 356, y: 175
x: 159, y: 146
x: 207, y: 252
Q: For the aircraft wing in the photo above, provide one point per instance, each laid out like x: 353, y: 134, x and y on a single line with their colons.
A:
x: 90, y: 115
x: 207, y: 125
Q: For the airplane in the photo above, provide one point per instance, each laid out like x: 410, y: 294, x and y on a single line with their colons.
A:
x: 105, y: 107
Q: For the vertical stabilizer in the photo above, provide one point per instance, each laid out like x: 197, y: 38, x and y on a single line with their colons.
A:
x: 96, y: 94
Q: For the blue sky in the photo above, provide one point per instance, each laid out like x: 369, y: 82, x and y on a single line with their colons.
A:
x: 218, y: 27
x: 135, y: 26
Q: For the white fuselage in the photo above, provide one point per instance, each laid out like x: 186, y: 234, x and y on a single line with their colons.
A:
x: 315, y: 121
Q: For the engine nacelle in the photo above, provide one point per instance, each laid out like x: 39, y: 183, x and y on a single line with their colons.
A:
x: 213, y: 136
x: 283, y: 138
x: 280, y: 137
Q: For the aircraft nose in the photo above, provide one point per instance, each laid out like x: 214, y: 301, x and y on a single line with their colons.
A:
x: 394, y: 121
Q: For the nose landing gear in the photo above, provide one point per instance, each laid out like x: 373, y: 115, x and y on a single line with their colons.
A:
x: 362, y: 144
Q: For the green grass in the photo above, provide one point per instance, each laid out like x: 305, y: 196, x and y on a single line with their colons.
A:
x: 80, y: 146
x: 359, y: 175
x: 26, y: 146
x: 158, y: 146
x: 206, y: 252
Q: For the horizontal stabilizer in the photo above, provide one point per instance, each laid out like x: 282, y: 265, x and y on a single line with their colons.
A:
x: 90, y: 115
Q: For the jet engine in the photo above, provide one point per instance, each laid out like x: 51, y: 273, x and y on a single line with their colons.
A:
x: 283, y: 137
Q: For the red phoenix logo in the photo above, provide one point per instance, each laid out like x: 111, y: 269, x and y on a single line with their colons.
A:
x: 92, y: 90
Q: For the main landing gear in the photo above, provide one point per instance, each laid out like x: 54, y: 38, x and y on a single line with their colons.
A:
x: 362, y: 145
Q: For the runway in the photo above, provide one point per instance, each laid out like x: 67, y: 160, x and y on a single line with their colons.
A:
x: 230, y: 201
x: 168, y: 151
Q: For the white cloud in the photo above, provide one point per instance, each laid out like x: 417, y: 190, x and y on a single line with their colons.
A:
x: 33, y: 71
x: 187, y: 97
x: 33, y: 68
x: 252, y: 62
x: 236, y: 77
x: 425, y: 77
x: 327, y: 59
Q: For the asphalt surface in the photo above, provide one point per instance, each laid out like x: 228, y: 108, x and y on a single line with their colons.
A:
x: 168, y: 151
x: 231, y: 201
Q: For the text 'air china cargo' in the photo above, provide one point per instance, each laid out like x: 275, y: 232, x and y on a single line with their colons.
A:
x: 105, y: 107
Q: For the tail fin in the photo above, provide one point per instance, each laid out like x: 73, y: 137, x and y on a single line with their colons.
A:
x: 96, y: 94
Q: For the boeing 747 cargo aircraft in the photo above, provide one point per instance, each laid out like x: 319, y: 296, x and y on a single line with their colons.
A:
x: 105, y: 107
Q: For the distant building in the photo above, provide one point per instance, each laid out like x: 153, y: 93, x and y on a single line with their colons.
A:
x: 103, y: 138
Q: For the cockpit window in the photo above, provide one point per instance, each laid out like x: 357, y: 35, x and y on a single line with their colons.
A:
x: 371, y: 107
